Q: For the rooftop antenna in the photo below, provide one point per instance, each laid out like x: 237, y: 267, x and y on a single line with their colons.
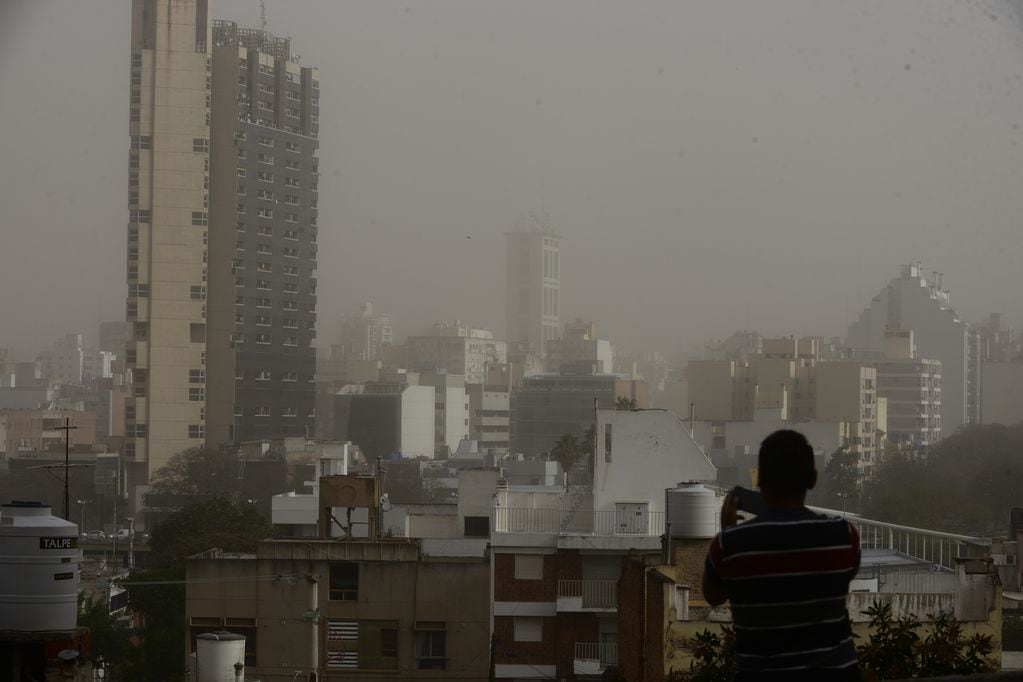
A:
x: 262, y: 14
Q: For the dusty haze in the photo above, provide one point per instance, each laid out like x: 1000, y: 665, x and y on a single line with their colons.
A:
x: 712, y: 166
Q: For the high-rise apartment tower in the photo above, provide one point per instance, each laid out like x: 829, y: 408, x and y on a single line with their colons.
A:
x: 265, y: 177
x: 534, y: 284
x: 168, y: 197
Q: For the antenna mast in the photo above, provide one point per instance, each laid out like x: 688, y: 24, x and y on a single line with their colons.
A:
x: 262, y: 14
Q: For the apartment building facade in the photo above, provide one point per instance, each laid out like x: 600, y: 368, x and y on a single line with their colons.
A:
x: 168, y: 231
x: 264, y: 244
x: 789, y: 382
x: 457, y: 349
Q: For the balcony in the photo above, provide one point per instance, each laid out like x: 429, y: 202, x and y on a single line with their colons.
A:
x: 587, y: 596
x: 592, y: 658
x: 635, y: 523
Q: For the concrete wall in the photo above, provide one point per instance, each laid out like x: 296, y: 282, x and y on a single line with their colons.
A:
x: 1001, y: 392
x: 650, y: 450
x: 417, y: 416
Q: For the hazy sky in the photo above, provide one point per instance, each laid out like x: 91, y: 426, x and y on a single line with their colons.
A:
x: 712, y: 166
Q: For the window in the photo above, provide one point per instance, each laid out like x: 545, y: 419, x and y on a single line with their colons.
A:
x: 528, y: 628
x: 476, y: 527
x: 262, y: 411
x: 200, y: 218
x: 139, y: 216
x: 263, y: 338
x: 141, y: 142
x: 291, y: 217
x: 290, y: 323
x: 265, y: 139
x: 263, y: 176
x: 265, y: 158
x: 292, y: 165
x: 290, y: 269
x: 262, y: 302
x: 289, y: 376
x: 262, y: 375
x: 291, y: 234
x: 141, y: 330
x: 265, y: 213
x: 263, y: 284
x: 242, y: 191
x: 290, y: 340
x: 197, y: 293
x: 263, y: 266
x: 291, y: 182
x: 200, y: 144
x: 265, y: 194
x: 529, y: 567
x: 242, y: 173
x: 289, y: 412
x: 242, y: 154
x: 290, y: 288
x: 266, y: 231
x: 431, y: 646
x: 196, y: 431
x: 344, y: 581
x: 342, y: 644
x: 292, y: 147
x: 196, y: 376
x: 196, y: 394
x: 290, y: 305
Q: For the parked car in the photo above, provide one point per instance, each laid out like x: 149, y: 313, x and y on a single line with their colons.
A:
x: 94, y: 535
x: 121, y: 534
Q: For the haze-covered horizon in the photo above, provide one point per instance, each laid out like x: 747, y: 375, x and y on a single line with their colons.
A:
x: 711, y: 167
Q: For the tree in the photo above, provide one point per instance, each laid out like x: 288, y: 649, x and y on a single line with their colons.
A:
x: 625, y: 404
x: 199, y: 472
x: 966, y: 483
x: 112, y: 648
x: 223, y: 522
x: 567, y: 451
x: 838, y: 485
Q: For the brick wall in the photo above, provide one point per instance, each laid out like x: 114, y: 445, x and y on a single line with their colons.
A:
x: 630, y: 618
x: 507, y: 588
x: 572, y: 628
x: 509, y: 651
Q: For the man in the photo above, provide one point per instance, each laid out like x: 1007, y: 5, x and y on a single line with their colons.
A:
x: 786, y: 573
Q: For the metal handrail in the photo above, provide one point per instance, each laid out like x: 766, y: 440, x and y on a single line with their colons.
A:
x: 595, y: 594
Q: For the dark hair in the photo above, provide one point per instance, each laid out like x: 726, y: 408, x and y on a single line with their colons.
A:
x: 785, y: 464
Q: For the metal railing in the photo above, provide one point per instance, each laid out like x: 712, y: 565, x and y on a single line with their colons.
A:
x: 595, y: 594
x: 579, y: 522
x: 932, y: 546
x: 605, y: 654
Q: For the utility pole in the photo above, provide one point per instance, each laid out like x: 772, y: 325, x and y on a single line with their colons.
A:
x: 67, y: 428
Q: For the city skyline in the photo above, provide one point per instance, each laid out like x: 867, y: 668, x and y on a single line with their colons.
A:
x: 741, y: 209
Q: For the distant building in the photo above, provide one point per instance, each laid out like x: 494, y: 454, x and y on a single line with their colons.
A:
x: 579, y: 351
x: 65, y: 362
x: 385, y: 418
x: 911, y: 301
x: 35, y: 431
x: 548, y: 406
x: 263, y: 260
x: 533, y: 294
x: 911, y: 385
x: 455, y: 348
x: 364, y: 335
x: 1002, y: 392
x: 490, y: 410
x: 788, y: 382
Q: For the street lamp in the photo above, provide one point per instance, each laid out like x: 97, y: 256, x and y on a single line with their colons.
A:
x: 82, y: 503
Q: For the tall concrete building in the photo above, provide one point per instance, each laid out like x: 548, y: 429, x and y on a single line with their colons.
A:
x: 456, y: 348
x: 534, y: 284
x: 263, y: 240
x: 168, y: 208
x: 912, y: 302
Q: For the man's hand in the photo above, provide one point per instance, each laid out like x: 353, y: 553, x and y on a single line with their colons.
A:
x: 730, y: 510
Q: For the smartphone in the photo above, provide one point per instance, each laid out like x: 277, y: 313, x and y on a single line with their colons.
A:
x: 749, y: 500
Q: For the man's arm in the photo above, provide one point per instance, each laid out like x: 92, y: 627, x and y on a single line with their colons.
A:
x: 713, y: 587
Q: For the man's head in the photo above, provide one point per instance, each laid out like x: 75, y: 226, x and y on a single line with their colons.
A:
x: 785, y: 464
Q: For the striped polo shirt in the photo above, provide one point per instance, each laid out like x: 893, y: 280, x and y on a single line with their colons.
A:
x: 786, y: 574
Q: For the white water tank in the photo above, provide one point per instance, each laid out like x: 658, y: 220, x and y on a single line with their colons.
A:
x: 220, y: 657
x: 692, y: 510
x: 39, y: 578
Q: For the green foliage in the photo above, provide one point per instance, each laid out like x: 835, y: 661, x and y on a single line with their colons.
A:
x: 965, y: 484
x: 896, y: 650
x: 161, y: 607
x: 112, y: 648
x: 567, y: 451
x: 199, y: 472
x: 838, y: 486
x: 625, y: 404
x: 222, y: 522
x: 713, y: 657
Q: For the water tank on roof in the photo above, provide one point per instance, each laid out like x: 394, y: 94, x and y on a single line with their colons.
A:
x: 39, y: 578
x: 220, y: 657
x: 691, y: 509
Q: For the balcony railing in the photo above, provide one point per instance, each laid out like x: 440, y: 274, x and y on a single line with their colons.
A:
x: 556, y: 521
x: 592, y: 658
x: 587, y: 595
